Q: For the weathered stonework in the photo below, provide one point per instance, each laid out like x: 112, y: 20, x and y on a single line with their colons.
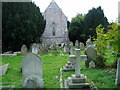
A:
x: 56, y: 25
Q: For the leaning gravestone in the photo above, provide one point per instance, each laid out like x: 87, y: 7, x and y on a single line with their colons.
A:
x: 91, y: 55
x: 117, y: 82
x: 24, y: 49
x: 32, y: 71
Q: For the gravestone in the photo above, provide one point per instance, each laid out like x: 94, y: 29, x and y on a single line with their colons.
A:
x: 24, y: 49
x: 8, y: 52
x: 71, y: 63
x: 71, y: 48
x: 117, y: 82
x: 91, y: 64
x: 17, y: 52
x: 89, y: 43
x: 38, y: 45
x: 78, y: 80
x: 66, y: 48
x: 82, y: 47
x: 91, y: 55
x: 77, y: 43
x: 55, y: 49
x: 45, y: 48
x: 34, y: 48
x: 3, y: 69
x: 32, y: 71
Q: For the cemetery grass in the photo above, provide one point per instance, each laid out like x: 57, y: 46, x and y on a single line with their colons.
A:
x: 102, y: 78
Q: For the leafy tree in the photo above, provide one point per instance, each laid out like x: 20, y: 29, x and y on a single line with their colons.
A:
x: 103, y: 38
x: 94, y: 18
x: 22, y: 23
x: 76, y: 28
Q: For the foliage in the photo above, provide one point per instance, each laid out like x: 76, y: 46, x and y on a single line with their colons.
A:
x: 111, y: 37
x: 93, y: 18
x: 22, y: 23
x: 105, y: 38
x: 76, y: 28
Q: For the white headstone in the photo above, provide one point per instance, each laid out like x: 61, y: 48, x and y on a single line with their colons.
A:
x: 32, y: 71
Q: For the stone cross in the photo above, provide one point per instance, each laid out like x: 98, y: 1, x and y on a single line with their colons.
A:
x: 77, y: 62
x: 117, y: 82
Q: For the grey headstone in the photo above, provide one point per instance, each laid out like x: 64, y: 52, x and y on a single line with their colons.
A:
x: 32, y: 71
x: 91, y: 64
x: 3, y: 69
x: 77, y: 43
x: 34, y: 48
x: 45, y: 48
x: 82, y: 47
x: 91, y: 55
x: 24, y: 49
x: 89, y: 43
x: 117, y: 82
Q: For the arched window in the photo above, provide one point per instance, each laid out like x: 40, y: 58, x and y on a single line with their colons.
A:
x: 53, y: 28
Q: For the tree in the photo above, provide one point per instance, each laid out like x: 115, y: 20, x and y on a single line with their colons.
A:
x: 22, y: 23
x: 103, y: 38
x: 94, y: 18
x: 76, y: 28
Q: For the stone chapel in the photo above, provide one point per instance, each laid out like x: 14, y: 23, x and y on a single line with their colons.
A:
x: 56, y: 25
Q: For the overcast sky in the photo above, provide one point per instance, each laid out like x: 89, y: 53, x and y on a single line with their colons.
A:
x: 71, y: 7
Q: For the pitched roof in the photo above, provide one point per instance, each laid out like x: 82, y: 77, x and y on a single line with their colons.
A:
x: 53, y: 5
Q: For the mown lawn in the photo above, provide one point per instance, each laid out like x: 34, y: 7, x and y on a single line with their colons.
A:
x: 102, y: 78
